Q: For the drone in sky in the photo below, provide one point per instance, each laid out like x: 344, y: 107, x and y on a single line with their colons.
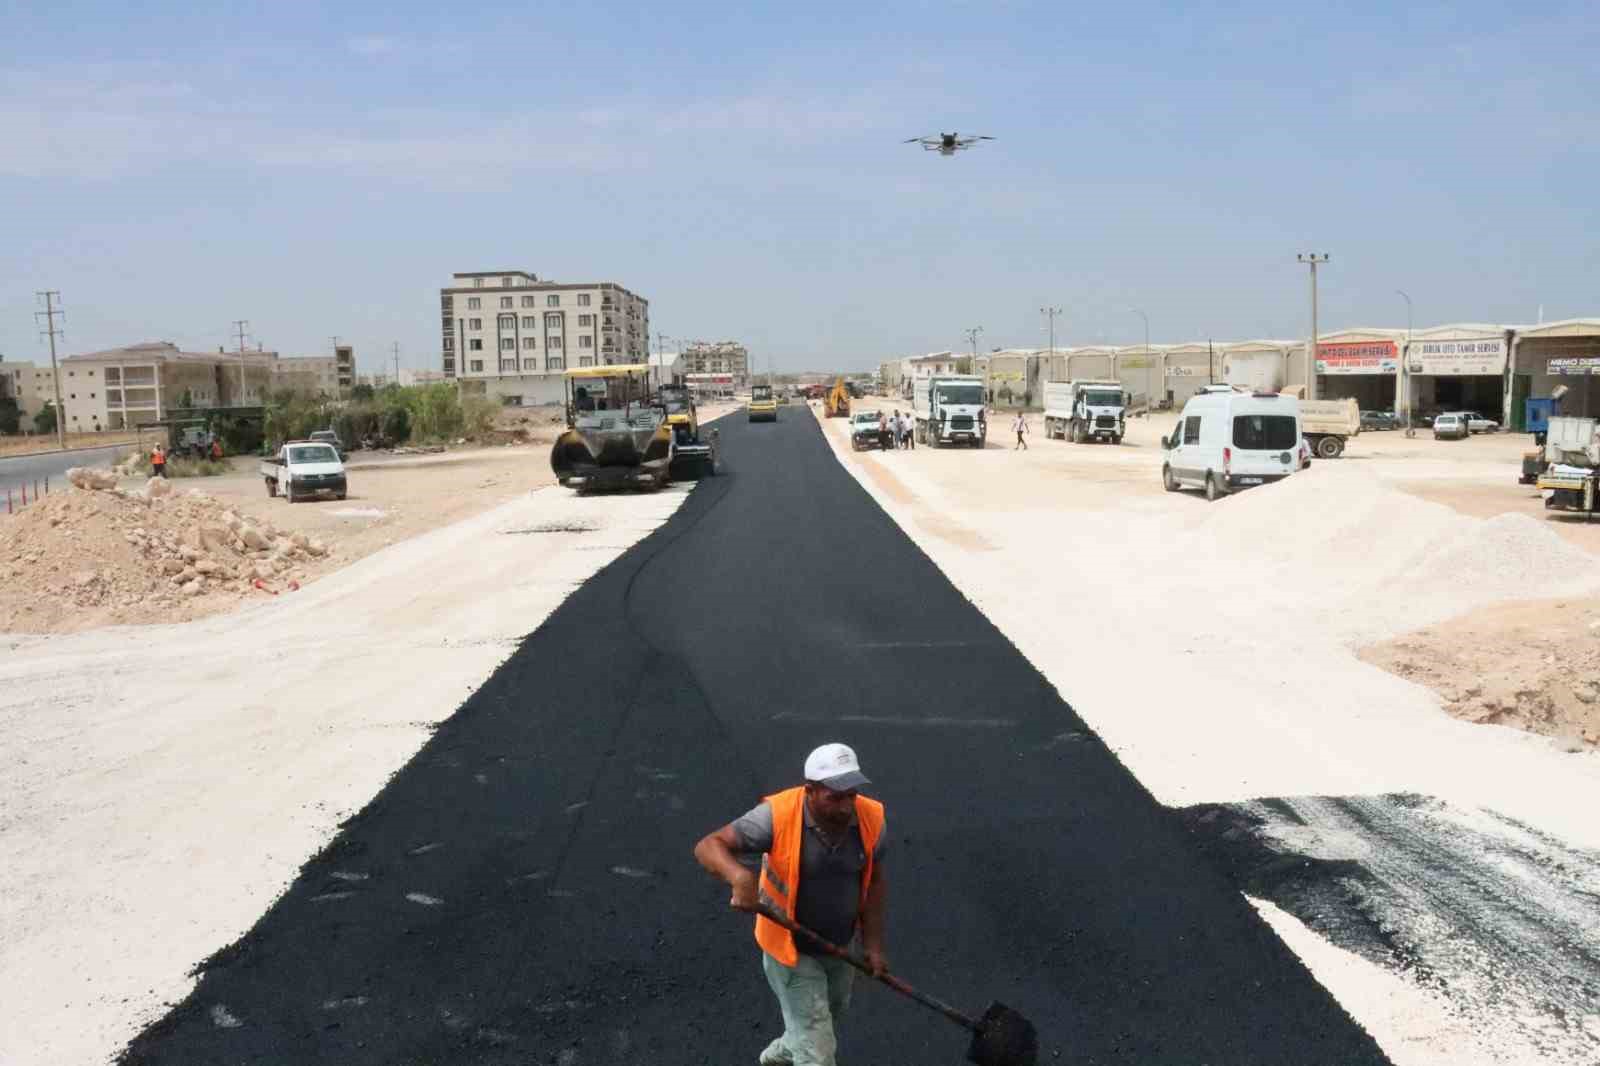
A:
x: 947, y: 143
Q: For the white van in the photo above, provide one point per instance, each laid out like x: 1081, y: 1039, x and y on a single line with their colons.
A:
x: 1227, y: 439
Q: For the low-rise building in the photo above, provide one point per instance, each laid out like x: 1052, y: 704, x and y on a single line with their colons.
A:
x: 32, y: 387
x: 719, y: 357
x: 508, y: 335
x: 123, y: 387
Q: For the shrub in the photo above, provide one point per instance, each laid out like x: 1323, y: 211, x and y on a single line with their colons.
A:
x: 397, y: 424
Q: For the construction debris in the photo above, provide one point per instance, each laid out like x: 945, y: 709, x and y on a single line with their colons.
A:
x: 98, y: 554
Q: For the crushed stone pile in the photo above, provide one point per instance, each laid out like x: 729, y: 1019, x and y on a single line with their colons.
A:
x: 97, y: 554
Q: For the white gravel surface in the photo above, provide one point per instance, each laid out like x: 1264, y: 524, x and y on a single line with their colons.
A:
x: 1211, y: 647
x: 164, y: 784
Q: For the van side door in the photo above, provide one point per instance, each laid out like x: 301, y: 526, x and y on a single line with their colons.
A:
x: 1186, y: 461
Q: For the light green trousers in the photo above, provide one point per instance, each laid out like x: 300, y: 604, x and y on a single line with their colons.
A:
x: 813, y: 994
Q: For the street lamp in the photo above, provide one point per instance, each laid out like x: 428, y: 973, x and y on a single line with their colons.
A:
x: 1150, y: 397
x: 1312, y: 259
x: 1403, y: 395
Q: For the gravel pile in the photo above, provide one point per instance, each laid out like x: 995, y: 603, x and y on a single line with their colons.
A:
x: 97, y: 552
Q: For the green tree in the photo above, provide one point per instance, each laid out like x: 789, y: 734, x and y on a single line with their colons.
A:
x: 44, y: 421
x: 10, y: 416
x: 362, y: 393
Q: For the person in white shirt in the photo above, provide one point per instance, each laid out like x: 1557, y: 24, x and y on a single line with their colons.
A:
x: 1021, y: 426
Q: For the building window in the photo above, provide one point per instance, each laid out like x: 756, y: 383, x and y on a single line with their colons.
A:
x: 553, y: 342
x: 586, y: 360
x: 585, y: 320
x: 555, y: 362
x: 474, y: 304
x: 475, y: 345
x: 553, y: 300
x: 527, y: 342
x: 505, y: 301
x: 506, y: 283
x: 508, y: 343
x: 474, y: 323
x: 508, y: 321
x: 586, y: 341
x: 477, y: 366
x: 477, y: 283
x: 530, y: 364
x: 449, y: 344
x: 530, y: 321
x: 583, y: 299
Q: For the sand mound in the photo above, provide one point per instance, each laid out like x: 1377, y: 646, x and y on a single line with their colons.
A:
x: 101, y: 556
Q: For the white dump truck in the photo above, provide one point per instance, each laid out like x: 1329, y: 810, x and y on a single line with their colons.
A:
x: 1085, y: 410
x: 1327, y: 424
x: 949, y: 409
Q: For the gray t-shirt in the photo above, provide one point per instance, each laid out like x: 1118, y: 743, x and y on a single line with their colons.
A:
x: 830, y: 873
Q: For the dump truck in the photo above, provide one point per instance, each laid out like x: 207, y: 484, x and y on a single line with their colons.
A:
x: 837, y: 403
x: 949, y: 409
x: 763, y: 405
x: 1085, y: 410
x: 618, y: 434
x: 1327, y: 424
x: 1571, y: 477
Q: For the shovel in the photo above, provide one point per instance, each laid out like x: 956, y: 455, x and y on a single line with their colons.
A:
x: 1002, y: 1037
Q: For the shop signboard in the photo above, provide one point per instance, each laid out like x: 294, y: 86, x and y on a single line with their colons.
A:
x: 1188, y: 372
x: 1358, y: 357
x: 1470, y: 358
x: 1568, y: 365
x: 1136, y: 362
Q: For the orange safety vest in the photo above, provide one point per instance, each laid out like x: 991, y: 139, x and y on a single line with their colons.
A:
x: 158, y: 458
x: 780, y: 867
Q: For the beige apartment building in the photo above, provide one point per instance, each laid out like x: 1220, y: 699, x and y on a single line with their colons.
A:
x: 508, y: 335
x: 721, y: 357
x: 123, y: 387
x: 34, y: 388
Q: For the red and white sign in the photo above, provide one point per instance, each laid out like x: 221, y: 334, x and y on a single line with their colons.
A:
x: 1358, y: 357
x: 709, y: 379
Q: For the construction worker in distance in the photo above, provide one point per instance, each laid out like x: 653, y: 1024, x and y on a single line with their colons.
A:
x: 158, y: 461
x: 216, y: 449
x: 819, y: 848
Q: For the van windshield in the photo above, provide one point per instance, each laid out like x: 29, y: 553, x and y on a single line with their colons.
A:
x: 1265, y: 432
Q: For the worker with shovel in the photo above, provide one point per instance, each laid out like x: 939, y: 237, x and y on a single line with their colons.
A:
x: 820, y: 850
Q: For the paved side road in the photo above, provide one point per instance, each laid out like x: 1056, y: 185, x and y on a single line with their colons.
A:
x: 523, y: 891
x: 25, y: 469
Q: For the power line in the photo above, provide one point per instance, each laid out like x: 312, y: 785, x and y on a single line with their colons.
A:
x: 50, y: 296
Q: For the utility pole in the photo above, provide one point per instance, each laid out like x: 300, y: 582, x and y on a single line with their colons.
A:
x: 395, y: 347
x: 50, y: 296
x: 972, y: 337
x: 1312, y: 259
x: 240, y: 325
x: 1403, y: 393
x: 1149, y: 364
x: 1051, y: 313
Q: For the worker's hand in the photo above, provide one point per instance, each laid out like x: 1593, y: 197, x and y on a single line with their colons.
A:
x: 876, y: 961
x: 745, y: 896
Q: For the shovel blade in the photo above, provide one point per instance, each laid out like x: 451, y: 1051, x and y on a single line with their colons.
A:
x: 1004, y: 1038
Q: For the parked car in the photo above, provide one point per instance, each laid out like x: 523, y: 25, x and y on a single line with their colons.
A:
x: 328, y: 436
x: 866, y: 431
x: 1450, y: 427
x: 1378, y: 420
x: 1477, y: 423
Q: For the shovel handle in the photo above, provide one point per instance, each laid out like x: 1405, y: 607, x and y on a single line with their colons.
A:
x: 886, y: 977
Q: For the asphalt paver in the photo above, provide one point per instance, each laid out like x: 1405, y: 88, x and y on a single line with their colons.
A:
x: 523, y: 890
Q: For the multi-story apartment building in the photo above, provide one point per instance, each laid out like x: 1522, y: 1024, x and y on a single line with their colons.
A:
x: 722, y: 357
x: 122, y: 387
x: 33, y: 388
x: 509, y: 335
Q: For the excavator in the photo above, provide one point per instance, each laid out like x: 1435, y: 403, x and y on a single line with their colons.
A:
x: 837, y: 403
x: 620, y: 436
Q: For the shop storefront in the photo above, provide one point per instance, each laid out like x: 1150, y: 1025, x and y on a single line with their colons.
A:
x: 1363, y: 365
x: 1188, y: 368
x: 1555, y: 353
x: 1456, y: 368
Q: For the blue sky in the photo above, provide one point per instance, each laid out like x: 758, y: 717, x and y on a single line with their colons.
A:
x: 322, y: 169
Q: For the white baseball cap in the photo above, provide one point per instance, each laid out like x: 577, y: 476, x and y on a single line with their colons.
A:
x: 835, y: 766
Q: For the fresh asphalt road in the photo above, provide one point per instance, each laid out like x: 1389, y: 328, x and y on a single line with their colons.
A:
x: 523, y: 890
x: 26, y: 469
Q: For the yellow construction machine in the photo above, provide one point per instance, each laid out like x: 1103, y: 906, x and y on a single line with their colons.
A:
x: 763, y: 405
x: 617, y: 433
x: 837, y: 403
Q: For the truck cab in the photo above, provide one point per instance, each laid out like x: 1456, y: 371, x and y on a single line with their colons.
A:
x: 763, y: 405
x: 1085, y: 410
x: 303, y: 469
x: 950, y: 409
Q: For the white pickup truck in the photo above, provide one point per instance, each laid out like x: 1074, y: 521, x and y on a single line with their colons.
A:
x: 303, y: 469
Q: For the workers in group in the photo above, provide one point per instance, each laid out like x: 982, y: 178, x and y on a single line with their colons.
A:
x: 158, y: 461
x: 820, y: 849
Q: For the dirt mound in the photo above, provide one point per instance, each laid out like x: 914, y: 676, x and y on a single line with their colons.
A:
x: 1535, y: 666
x: 97, y: 556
